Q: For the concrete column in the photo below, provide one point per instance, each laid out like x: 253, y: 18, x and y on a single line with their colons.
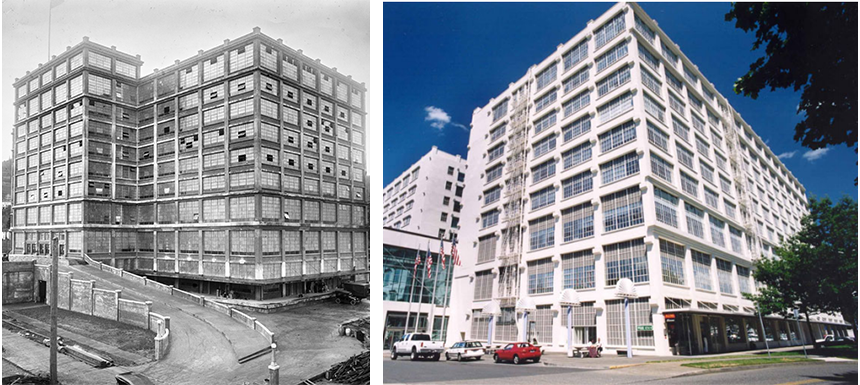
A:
x: 116, y: 303
x: 274, y: 370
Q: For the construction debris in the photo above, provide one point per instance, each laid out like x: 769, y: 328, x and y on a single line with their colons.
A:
x: 358, y: 328
x: 355, y: 370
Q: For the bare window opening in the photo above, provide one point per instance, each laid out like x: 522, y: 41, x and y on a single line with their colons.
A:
x: 214, y: 60
x: 242, y: 157
x: 270, y: 158
x: 310, y: 166
x: 241, y: 87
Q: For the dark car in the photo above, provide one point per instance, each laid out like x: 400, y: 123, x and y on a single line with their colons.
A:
x: 131, y: 378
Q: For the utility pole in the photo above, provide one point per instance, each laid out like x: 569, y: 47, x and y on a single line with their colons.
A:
x: 55, y: 272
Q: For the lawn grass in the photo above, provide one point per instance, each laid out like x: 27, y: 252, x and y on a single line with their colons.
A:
x: 706, y: 358
x: 122, y: 336
x: 840, y: 351
x: 745, y: 362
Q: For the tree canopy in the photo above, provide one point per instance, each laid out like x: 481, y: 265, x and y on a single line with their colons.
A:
x: 816, y: 266
x: 810, y: 47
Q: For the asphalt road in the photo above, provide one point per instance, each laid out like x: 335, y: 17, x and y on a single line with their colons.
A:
x: 405, y: 371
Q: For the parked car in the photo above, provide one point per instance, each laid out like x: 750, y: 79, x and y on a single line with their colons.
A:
x: 518, y: 352
x: 417, y: 345
x: 465, y: 349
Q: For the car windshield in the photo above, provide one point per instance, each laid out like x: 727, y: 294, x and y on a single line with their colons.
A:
x: 421, y: 337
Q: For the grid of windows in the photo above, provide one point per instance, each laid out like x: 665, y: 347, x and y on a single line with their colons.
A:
x: 653, y: 108
x: 545, y: 101
x: 483, y: 285
x: 695, y: 220
x: 575, y: 80
x: 661, y: 168
x: 576, y: 55
x: 487, y: 248
x: 608, y: 31
x: 743, y: 279
x: 689, y: 184
x: 543, y: 171
x: 613, y: 81
x: 545, y: 122
x: 611, y: 56
x: 578, y: 222
x: 542, y: 146
x: 615, y: 107
x: 724, y: 276
x: 546, y: 77
x: 717, y: 231
x: 577, y: 103
x: 640, y: 314
x: 576, y: 156
x: 543, y: 197
x: 576, y: 128
x: 672, y: 261
x: 711, y: 198
x: 622, y: 209
x: 626, y: 259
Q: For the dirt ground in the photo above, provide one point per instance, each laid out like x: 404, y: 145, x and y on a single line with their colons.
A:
x: 308, y: 340
x: 119, y: 335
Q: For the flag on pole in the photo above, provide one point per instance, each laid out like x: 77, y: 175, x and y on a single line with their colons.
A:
x: 455, y: 257
x: 417, y: 259
x: 429, y: 261
x: 442, y: 252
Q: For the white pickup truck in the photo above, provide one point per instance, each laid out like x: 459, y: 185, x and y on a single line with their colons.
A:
x: 417, y: 345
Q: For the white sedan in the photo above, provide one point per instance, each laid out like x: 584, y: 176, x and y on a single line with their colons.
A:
x: 465, y: 349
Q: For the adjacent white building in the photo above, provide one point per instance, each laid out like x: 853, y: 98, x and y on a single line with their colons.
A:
x: 614, y: 158
x: 428, y: 196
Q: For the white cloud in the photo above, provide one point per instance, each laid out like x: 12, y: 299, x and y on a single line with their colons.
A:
x: 813, y: 155
x: 438, y: 118
x: 787, y: 155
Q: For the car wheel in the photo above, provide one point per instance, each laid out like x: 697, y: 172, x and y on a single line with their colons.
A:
x: 478, y: 358
x: 436, y: 357
x: 353, y: 302
x: 414, y: 355
x: 459, y: 357
x: 337, y: 300
x: 516, y: 360
x: 537, y: 359
x: 447, y: 357
x: 496, y: 358
x: 393, y: 354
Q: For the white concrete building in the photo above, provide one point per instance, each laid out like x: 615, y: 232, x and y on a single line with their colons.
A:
x: 614, y: 158
x: 427, y: 197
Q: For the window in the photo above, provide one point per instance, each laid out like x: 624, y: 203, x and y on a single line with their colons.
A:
x: 576, y: 55
x: 672, y: 261
x: 489, y: 218
x: 576, y: 156
x: 689, y: 184
x: 735, y: 236
x: 543, y: 198
x: 613, y: 81
x: 670, y: 55
x: 576, y: 128
x: 545, y: 101
x: 543, y: 171
x: 545, y: 77
x: 702, y: 270
x: 540, y: 276
x: 542, y: 232
x: 666, y: 206
x: 651, y: 82
x: 620, y: 168
x: 242, y: 58
x: 695, y: 218
x: 743, y: 279
x: 661, y: 168
x: 576, y: 80
x: 544, y: 122
x: 577, y: 184
x: 97, y: 60
x: 577, y: 103
x: 615, y: 107
x: 483, y: 285
x: 497, y: 132
x: 640, y: 314
x: 703, y: 147
x: 626, y: 259
x: 618, y: 136
x: 717, y: 231
x: 608, y: 31
x: 711, y: 198
x: 500, y: 110
x: 653, y: 108
x: 676, y: 104
x: 611, y: 56
x: 493, y: 173
x: 578, y: 222
x: 685, y: 156
x: 622, y: 209
x: 542, y: 146
x: 644, y: 29
x: 496, y: 152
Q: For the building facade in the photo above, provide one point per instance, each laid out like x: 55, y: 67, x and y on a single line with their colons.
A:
x: 428, y: 197
x: 615, y: 158
x: 240, y: 169
x: 408, y: 291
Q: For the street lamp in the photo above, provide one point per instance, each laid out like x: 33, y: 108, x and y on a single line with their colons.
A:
x: 491, y: 309
x: 625, y: 289
x: 569, y: 298
x: 526, y: 305
x: 799, y: 331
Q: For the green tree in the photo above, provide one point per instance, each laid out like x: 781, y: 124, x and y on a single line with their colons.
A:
x: 817, y: 266
x: 810, y: 47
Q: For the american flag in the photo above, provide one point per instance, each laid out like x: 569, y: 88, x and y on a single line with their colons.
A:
x: 417, y: 259
x: 429, y: 261
x: 454, y: 255
x: 442, y: 252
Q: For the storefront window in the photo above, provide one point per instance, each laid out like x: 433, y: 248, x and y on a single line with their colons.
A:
x: 733, y: 330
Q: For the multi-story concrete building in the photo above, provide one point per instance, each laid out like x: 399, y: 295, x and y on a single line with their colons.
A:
x: 615, y: 158
x: 240, y: 169
x: 428, y: 197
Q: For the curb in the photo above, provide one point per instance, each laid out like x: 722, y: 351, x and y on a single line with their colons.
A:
x: 741, y: 368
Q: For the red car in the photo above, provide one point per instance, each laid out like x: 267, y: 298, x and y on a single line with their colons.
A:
x: 518, y: 352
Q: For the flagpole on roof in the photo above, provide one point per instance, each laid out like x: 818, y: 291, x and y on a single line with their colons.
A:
x: 420, y: 296
x: 51, y: 5
x: 447, y: 285
x: 433, y: 300
x: 412, y: 287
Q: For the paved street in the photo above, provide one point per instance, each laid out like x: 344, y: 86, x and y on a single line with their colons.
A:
x: 405, y: 371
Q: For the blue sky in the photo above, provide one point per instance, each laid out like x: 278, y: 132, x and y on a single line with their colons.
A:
x: 442, y: 60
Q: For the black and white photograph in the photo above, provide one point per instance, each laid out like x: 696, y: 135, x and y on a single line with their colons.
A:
x: 186, y: 192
